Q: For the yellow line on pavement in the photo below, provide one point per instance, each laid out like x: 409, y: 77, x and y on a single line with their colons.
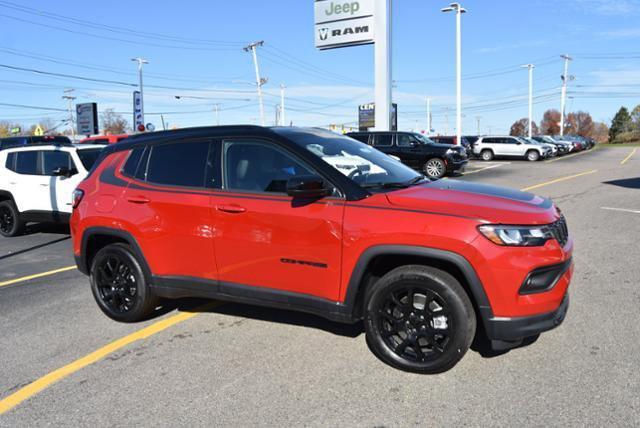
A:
x: 37, y: 275
x: 35, y: 387
x: 557, y: 180
x: 558, y: 158
x: 629, y: 157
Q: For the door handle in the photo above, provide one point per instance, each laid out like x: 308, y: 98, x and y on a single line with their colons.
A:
x: 44, y: 185
x: 233, y: 209
x: 138, y: 200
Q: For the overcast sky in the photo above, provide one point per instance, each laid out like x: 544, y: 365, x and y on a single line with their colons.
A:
x: 195, y: 49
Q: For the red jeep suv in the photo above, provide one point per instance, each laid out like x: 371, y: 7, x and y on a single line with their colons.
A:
x: 305, y: 219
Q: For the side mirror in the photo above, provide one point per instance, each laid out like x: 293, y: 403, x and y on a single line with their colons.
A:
x: 64, y: 172
x: 307, y: 186
x: 414, y: 143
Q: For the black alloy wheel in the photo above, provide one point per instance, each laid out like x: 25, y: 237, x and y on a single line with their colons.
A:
x: 10, y: 223
x: 119, y: 285
x: 419, y: 319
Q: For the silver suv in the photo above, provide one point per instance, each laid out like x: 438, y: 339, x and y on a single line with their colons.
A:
x: 490, y: 147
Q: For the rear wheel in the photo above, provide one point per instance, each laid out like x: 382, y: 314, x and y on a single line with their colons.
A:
x: 419, y: 319
x: 10, y: 222
x: 119, y: 285
x: 486, y: 155
x: 533, y: 155
x: 435, y: 168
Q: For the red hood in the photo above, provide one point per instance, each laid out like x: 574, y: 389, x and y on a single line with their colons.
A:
x: 484, y: 202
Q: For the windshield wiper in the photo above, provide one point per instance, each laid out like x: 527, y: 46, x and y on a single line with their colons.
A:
x: 395, y: 185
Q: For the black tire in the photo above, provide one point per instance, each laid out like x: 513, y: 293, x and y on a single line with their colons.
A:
x: 435, y: 168
x: 119, y: 285
x: 486, y: 155
x: 10, y: 222
x: 533, y: 156
x: 416, y: 339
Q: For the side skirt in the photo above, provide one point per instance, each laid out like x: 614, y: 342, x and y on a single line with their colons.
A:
x: 173, y: 287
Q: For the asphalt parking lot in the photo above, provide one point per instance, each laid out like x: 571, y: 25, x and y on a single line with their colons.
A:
x: 63, y: 363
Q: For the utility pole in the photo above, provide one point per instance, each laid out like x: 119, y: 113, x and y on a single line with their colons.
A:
x: 478, y: 125
x: 259, y: 81
x: 530, y: 67
x: 428, y: 116
x: 216, y: 107
x: 459, y: 10
x: 67, y: 96
x: 282, y: 117
x: 446, y: 121
x: 382, y: 52
x: 563, y: 95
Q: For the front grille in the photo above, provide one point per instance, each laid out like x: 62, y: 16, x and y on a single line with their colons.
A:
x: 559, y: 231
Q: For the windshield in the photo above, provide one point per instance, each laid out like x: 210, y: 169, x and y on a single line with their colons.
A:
x: 422, y: 138
x: 88, y: 157
x: 361, y: 163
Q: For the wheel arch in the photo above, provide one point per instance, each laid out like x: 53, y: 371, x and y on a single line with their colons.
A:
x: 96, y: 238
x: 376, y: 261
x: 6, y: 196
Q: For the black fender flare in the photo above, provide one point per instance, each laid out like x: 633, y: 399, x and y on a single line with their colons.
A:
x: 475, y: 285
x: 81, y: 261
x: 6, y: 194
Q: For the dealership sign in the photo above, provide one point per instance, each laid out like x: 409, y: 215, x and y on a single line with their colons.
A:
x: 87, y: 118
x: 343, y: 23
x: 138, y: 118
x: 367, y: 117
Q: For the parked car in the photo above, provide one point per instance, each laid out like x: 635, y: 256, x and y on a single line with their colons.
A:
x: 576, y: 144
x: 8, y: 142
x: 267, y: 216
x: 104, y: 139
x: 37, y: 182
x: 563, y: 146
x: 417, y: 151
x: 553, y: 147
x: 452, y: 141
x: 490, y: 147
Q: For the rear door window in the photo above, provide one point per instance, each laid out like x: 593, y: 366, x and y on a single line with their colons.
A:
x: 363, y: 138
x: 27, y: 163
x: 382, y: 140
x: 179, y: 164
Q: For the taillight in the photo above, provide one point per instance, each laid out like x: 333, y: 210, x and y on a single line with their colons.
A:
x: 77, y: 197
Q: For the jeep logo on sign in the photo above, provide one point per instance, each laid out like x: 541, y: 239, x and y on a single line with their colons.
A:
x: 341, y: 23
x: 323, y: 33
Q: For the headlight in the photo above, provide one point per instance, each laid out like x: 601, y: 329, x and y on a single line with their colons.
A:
x: 450, y: 151
x: 516, y: 236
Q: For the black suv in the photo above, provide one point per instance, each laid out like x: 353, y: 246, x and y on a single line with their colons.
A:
x: 9, y: 142
x: 417, y: 151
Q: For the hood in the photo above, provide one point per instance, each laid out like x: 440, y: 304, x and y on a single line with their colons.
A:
x: 492, y: 204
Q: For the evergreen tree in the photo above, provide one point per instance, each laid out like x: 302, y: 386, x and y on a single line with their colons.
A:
x: 621, y: 123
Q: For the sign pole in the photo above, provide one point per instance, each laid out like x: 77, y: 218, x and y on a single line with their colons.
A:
x: 383, y: 64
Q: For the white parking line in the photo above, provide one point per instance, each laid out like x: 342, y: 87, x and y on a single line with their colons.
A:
x: 485, y: 168
x: 624, y: 210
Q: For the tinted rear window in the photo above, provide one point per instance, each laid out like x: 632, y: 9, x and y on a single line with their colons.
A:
x: 89, y: 157
x: 382, y: 140
x: 27, y: 163
x: 179, y: 164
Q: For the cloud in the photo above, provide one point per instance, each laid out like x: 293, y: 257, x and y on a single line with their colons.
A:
x: 624, y: 33
x: 609, y: 7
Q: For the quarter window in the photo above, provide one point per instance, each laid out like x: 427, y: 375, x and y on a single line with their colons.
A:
x: 131, y: 165
x: 256, y: 167
x: 179, y: 164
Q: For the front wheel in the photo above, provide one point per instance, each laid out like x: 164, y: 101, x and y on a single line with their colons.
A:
x: 419, y: 319
x: 533, y: 156
x: 486, y: 155
x: 119, y: 286
x: 435, y: 168
x: 10, y: 222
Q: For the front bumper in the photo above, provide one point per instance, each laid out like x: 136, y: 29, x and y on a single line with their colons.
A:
x: 516, y: 328
x: 456, y: 165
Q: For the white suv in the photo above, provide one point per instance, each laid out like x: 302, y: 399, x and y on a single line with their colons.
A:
x: 491, y: 147
x: 37, y: 182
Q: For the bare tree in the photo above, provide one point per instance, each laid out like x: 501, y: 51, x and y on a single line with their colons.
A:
x: 550, y: 124
x: 113, y: 123
x: 520, y: 128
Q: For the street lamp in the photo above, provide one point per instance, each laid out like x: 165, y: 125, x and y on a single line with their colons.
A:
x: 530, y: 67
x: 459, y: 10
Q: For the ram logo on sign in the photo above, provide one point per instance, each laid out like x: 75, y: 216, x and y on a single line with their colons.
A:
x: 343, y: 23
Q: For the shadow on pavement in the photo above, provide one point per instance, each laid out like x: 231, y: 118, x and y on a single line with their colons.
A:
x: 55, y: 228
x: 629, y: 183
x: 35, y: 247
x: 259, y: 313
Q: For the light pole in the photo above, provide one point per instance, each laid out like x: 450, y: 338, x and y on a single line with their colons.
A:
x: 282, y: 118
x: 530, y: 67
x: 259, y: 80
x: 140, y: 62
x: 459, y: 10
x: 382, y: 53
x: 67, y: 96
x: 428, y: 116
x: 478, y: 124
x: 563, y: 94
